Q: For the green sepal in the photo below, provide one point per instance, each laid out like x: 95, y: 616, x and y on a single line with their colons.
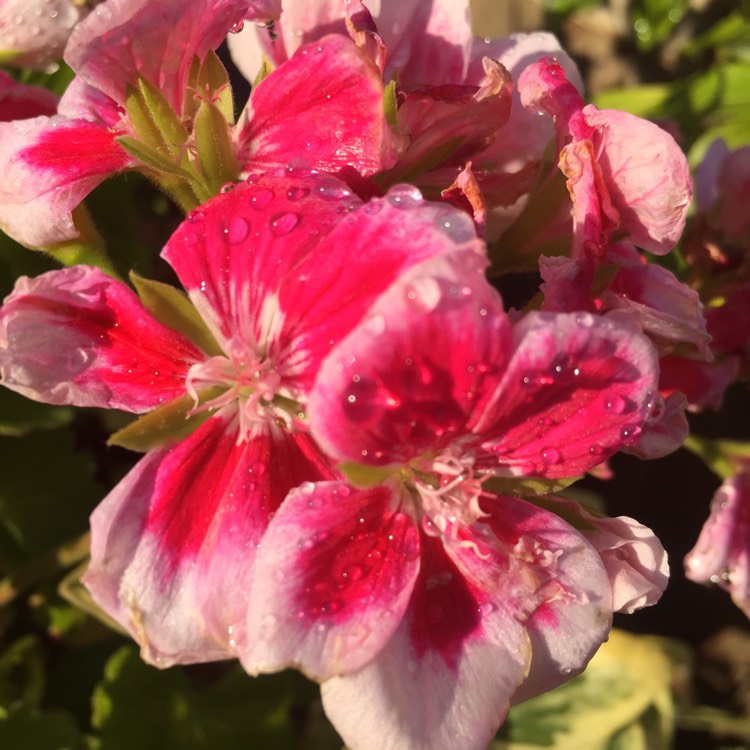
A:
x: 173, y: 133
x: 213, y: 82
x: 72, y: 590
x: 561, y: 510
x: 215, y: 148
x: 141, y: 118
x: 175, y: 310
x: 526, y: 486
x: 152, y: 158
x: 165, y: 425
x: 190, y: 102
x: 390, y: 105
x: 265, y: 70
x: 363, y: 476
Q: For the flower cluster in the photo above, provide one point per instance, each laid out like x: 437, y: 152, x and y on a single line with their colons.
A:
x: 354, y: 451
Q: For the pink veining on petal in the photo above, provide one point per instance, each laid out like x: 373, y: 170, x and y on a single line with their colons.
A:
x: 78, y: 336
x: 334, y: 575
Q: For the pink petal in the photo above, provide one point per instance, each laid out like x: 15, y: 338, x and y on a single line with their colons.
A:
x: 722, y: 552
x: 665, y: 430
x: 236, y: 253
x: 333, y: 577
x: 445, y: 678
x: 20, y: 102
x: 703, y: 383
x: 427, y: 43
x: 633, y: 557
x: 77, y: 336
x: 647, y: 176
x: 338, y: 124
x: 49, y: 166
x: 554, y: 583
x: 115, y: 44
x: 577, y: 389
x: 288, y: 264
x: 173, y: 544
x: 419, y: 368
x: 33, y: 33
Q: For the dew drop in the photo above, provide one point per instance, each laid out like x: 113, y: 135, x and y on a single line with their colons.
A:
x: 551, y: 456
x: 375, y: 325
x: 486, y: 608
x: 332, y: 190
x: 260, y: 198
x: 566, y: 670
x: 297, y: 193
x: 404, y: 196
x: 423, y: 294
x: 236, y: 230
x: 227, y: 187
x: 307, y: 488
x: 237, y: 27
x: 615, y: 404
x: 585, y: 320
x: 195, y: 217
x: 630, y: 433
x: 284, y: 223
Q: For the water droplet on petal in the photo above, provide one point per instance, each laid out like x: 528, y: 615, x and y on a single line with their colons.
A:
x: 630, y: 433
x: 284, y: 223
x: 375, y: 325
x: 615, y: 404
x: 423, y: 294
x: 236, y: 230
x: 260, y: 198
x: 486, y: 608
x: 297, y: 193
x: 551, y: 456
x: 585, y: 320
x: 307, y: 488
x: 331, y: 189
x: 237, y: 27
x: 196, y: 216
x: 404, y: 196
x: 227, y: 187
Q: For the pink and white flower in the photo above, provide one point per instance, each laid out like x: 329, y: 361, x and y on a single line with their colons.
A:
x: 33, y: 33
x: 627, y: 178
x: 722, y: 552
x: 422, y: 600
x: 279, y: 271
x: 51, y: 164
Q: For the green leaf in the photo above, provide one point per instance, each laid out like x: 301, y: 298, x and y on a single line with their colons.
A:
x: 165, y: 425
x: 23, y: 727
x: 137, y: 706
x: 175, y: 310
x: 22, y: 673
x: 622, y: 701
x: 47, y: 491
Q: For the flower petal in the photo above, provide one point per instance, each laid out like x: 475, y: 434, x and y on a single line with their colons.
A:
x: 19, y: 101
x: 116, y: 42
x: 722, y: 553
x: 173, y: 544
x: 414, y: 373
x: 77, y: 336
x: 332, y: 580
x: 578, y: 388
x: 49, y: 166
x: 338, y: 124
x: 444, y: 680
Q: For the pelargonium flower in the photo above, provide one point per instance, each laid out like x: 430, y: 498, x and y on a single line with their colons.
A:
x: 33, y: 33
x: 170, y: 114
x: 722, y: 552
x: 19, y: 101
x: 466, y: 135
x: 424, y: 601
x: 627, y: 178
x: 279, y: 271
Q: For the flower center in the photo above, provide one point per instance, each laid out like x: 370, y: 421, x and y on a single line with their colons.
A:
x: 250, y: 380
x: 449, y: 492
